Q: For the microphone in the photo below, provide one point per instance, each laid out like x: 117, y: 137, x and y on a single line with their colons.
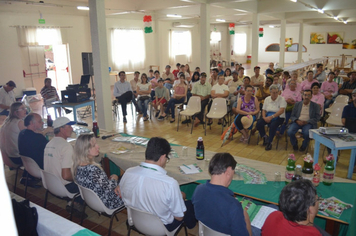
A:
x: 108, y: 136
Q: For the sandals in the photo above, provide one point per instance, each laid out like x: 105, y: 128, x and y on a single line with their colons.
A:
x: 172, y: 121
x: 145, y: 119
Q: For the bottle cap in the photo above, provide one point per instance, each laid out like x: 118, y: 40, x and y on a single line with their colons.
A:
x: 299, y: 166
x: 200, y: 138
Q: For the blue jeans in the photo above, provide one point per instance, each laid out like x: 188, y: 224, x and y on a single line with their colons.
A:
x: 283, y: 127
x: 171, y: 105
x: 328, y: 102
x: 143, y: 105
x: 273, y: 125
x: 73, y: 188
x: 189, y: 218
x: 293, y: 129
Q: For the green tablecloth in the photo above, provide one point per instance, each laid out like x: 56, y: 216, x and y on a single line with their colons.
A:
x: 85, y: 232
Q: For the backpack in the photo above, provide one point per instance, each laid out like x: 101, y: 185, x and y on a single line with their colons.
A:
x: 26, y: 218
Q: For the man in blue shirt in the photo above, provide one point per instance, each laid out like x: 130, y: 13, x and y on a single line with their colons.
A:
x: 215, y: 205
x: 221, y: 71
x: 123, y: 93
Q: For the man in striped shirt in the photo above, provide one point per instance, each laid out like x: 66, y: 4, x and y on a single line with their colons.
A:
x: 49, y: 94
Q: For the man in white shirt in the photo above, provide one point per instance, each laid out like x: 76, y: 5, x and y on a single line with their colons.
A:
x: 257, y: 79
x: 147, y: 187
x: 168, y: 77
x: 219, y: 90
x: 123, y: 93
x: 7, y: 97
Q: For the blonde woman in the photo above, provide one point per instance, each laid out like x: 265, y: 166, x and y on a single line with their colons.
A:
x: 90, y: 175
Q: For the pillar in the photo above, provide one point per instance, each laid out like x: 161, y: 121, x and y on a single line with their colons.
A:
x: 205, y: 38
x: 255, y: 39
x: 282, y: 43
x: 300, y: 47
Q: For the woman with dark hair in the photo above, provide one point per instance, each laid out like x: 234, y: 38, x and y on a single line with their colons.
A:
x: 298, y: 207
x: 228, y: 75
x: 143, y: 91
x: 89, y: 174
x: 154, y: 83
x: 317, y: 96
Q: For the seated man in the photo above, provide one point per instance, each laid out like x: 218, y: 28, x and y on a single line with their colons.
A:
x: 161, y: 98
x: 58, y: 154
x: 305, y: 116
x: 215, y: 205
x: 350, y: 112
x: 219, y: 90
x: 148, y: 188
x: 168, y: 78
x: 220, y: 70
x: 133, y: 84
x: 175, y: 72
x: 201, y: 89
x: 257, y: 79
x: 49, y: 94
x: 298, y: 204
x: 32, y: 143
x: 263, y: 91
x: 123, y: 93
x: 214, y: 77
x: 319, y: 74
x: 233, y: 84
x: 349, y: 86
x: 7, y: 97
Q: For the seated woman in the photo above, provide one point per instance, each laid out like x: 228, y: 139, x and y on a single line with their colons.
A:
x: 317, y: 96
x: 330, y: 90
x: 298, y: 205
x: 241, y: 88
x: 180, y: 92
x: 195, y: 78
x: 143, y: 91
x: 272, y: 114
x: 89, y: 174
x: 247, y: 105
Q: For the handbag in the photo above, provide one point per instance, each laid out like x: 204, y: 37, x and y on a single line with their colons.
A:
x: 143, y: 98
x: 26, y: 218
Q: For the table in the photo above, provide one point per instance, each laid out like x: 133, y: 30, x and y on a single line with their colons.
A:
x: 335, y: 144
x: 52, y: 224
x: 75, y: 106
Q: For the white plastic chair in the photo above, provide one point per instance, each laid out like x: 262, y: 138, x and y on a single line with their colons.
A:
x: 55, y: 186
x: 7, y: 161
x: 94, y: 202
x: 32, y: 168
x: 336, y: 114
x: 343, y: 99
x: 218, y: 110
x: 193, y: 108
x: 148, y: 224
x: 206, y: 231
x: 115, y: 108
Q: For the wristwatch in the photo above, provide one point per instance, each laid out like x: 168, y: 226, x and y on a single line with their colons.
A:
x: 272, y: 116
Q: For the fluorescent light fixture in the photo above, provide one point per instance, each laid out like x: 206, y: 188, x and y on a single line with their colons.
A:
x: 220, y: 20
x: 271, y: 26
x: 320, y: 10
x: 335, y: 17
x: 84, y: 8
x: 345, y: 22
x: 293, y: 0
x: 174, y: 15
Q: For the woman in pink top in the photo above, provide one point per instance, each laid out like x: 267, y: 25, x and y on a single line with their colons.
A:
x: 294, y: 76
x: 318, y: 97
x: 329, y: 89
x: 306, y: 84
x: 180, y: 92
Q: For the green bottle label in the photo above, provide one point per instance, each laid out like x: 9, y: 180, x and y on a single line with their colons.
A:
x: 200, y: 154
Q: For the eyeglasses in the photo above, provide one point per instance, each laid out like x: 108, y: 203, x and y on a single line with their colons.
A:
x: 168, y: 157
x: 320, y: 198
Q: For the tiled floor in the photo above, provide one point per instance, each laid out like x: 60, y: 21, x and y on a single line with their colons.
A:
x: 165, y: 129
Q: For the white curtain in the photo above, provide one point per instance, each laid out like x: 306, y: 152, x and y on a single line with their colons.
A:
x: 215, y: 39
x: 33, y: 36
x: 180, y: 44
x: 128, y: 49
x: 240, y: 44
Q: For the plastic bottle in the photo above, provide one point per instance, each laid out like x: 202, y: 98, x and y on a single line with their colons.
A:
x: 298, y: 173
x: 200, y: 154
x: 96, y: 129
x: 290, y: 168
x: 316, y: 175
x: 49, y: 121
x: 308, y: 170
x: 328, y: 176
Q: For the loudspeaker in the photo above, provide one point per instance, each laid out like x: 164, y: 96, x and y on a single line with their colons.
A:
x: 87, y: 60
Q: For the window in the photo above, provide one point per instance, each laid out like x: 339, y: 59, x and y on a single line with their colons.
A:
x: 180, y: 44
x: 240, y: 43
x: 128, y: 49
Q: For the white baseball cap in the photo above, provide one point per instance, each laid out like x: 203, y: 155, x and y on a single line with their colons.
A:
x: 61, y: 121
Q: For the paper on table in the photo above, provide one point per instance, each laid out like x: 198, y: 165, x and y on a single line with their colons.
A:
x: 190, y: 169
x: 261, y: 216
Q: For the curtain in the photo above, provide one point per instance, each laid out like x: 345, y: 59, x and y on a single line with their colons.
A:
x: 33, y: 36
x: 240, y: 44
x: 215, y: 51
x: 128, y: 49
x: 180, y: 44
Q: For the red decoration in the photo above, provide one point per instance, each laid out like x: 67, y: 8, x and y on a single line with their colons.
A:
x: 232, y: 25
x: 147, y: 18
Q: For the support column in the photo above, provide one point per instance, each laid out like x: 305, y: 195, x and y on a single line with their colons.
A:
x: 228, y: 48
x: 300, y: 46
x: 255, y: 39
x: 205, y: 38
x: 282, y: 43
x: 100, y: 63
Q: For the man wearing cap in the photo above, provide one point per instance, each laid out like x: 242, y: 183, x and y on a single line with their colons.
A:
x: 133, y: 84
x: 123, y: 93
x: 7, y: 97
x: 168, y: 77
x: 201, y: 89
x: 220, y: 70
x: 349, y: 86
x: 58, y: 154
x: 257, y: 80
x: 148, y: 188
x: 32, y: 142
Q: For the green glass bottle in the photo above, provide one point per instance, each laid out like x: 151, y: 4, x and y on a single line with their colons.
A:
x: 328, y: 176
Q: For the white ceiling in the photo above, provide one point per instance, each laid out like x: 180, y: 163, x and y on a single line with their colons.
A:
x: 238, y: 11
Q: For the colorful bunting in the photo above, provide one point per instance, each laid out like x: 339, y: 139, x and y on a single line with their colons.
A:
x: 260, y: 32
x: 147, y: 21
x: 232, y: 28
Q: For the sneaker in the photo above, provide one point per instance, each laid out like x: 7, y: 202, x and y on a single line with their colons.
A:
x: 125, y: 121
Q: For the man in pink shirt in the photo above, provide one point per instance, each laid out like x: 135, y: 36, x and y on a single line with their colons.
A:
x: 306, y: 84
x: 329, y: 89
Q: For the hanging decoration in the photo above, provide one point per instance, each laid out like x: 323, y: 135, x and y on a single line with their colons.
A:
x: 260, y: 32
x: 232, y: 28
x: 147, y: 21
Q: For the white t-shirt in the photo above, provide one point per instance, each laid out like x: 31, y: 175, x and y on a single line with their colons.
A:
x: 144, y: 87
x: 6, y: 98
x: 273, y: 106
x: 57, y: 156
x: 147, y: 187
x: 220, y: 89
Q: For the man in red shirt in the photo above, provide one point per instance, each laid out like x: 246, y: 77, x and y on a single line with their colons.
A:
x: 175, y: 72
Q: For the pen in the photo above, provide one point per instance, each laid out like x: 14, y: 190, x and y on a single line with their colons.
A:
x: 186, y: 166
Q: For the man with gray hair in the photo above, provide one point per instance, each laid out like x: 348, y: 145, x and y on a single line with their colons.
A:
x: 215, y: 205
x: 272, y: 114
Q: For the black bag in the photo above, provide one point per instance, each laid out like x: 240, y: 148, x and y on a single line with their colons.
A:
x: 143, y: 98
x: 26, y: 218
